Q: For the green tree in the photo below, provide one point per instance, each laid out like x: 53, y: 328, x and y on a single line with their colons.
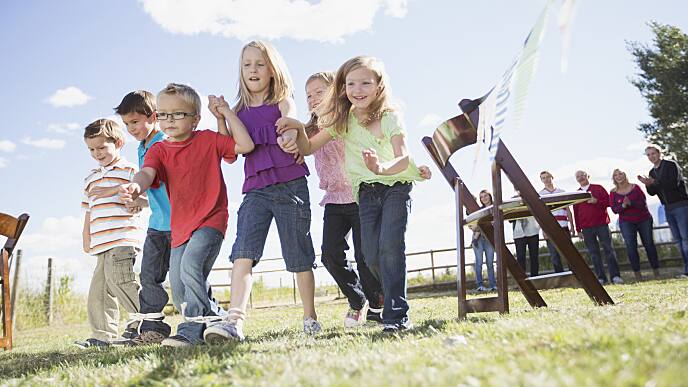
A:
x: 663, y: 81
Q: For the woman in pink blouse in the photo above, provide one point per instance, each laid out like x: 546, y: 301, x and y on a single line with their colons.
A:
x: 628, y: 200
x: 341, y: 216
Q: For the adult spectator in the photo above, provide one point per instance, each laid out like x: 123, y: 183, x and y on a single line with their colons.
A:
x: 563, y: 217
x: 482, y: 246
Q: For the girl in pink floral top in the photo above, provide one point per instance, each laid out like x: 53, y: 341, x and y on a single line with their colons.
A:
x: 341, y: 215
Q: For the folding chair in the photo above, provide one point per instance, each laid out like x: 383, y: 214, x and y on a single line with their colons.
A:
x: 11, y: 228
x: 459, y: 132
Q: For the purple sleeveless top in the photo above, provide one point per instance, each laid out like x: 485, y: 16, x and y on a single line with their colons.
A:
x: 267, y: 164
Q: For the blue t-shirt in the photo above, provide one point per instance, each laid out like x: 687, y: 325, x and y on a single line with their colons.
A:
x: 157, y: 197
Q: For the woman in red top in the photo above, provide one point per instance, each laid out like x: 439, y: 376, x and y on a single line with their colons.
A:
x: 628, y: 200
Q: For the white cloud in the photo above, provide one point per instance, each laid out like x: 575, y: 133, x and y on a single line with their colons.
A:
x: 3, y: 162
x: 430, y: 121
x: 55, y: 234
x: 324, y: 21
x: 7, y: 146
x: 63, y: 128
x: 45, y: 143
x: 68, y: 97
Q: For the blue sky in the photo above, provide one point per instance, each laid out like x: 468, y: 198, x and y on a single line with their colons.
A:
x: 68, y: 63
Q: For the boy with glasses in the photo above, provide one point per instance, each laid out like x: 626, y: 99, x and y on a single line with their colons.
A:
x: 188, y: 161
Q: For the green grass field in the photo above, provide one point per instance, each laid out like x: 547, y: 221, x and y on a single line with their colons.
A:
x: 640, y: 341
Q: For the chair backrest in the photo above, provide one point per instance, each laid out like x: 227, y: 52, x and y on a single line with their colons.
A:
x: 12, y: 228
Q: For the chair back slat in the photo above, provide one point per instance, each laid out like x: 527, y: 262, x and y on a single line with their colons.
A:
x: 8, y: 225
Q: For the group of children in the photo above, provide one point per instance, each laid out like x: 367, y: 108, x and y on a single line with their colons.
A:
x: 361, y: 159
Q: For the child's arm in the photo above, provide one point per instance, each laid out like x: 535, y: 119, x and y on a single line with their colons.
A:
x: 398, y: 164
x: 243, y: 142
x: 305, y: 145
x: 86, y: 233
x: 287, y: 139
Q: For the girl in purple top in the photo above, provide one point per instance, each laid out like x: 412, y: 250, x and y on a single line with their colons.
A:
x: 628, y: 200
x: 341, y: 216
x: 274, y: 187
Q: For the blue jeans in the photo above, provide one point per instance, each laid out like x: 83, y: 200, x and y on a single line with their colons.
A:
x: 190, y: 265
x: 480, y: 246
x: 678, y: 223
x: 383, y: 211
x: 554, y: 253
x: 339, y: 219
x: 154, y: 266
x: 630, y: 233
x: 591, y: 235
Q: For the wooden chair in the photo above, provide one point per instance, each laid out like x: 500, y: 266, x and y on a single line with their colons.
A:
x: 11, y: 228
x: 459, y: 132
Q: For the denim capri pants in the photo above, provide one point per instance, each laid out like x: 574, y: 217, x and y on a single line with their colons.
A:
x: 289, y: 204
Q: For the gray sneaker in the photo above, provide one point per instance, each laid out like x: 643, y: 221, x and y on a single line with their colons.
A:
x: 178, y: 341
x: 617, y: 280
x: 311, y: 326
x: 222, y: 331
x: 148, y: 338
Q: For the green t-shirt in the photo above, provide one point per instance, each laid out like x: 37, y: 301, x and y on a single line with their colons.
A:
x: 358, y: 138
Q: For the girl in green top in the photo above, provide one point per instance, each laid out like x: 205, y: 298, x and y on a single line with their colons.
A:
x: 380, y: 170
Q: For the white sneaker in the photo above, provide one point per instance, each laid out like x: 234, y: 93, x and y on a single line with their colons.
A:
x: 223, y: 331
x: 311, y: 326
x: 617, y: 280
x: 355, y: 318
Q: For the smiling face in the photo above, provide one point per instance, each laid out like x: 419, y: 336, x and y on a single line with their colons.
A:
x: 102, y: 150
x: 177, y: 130
x: 315, y: 92
x: 255, y: 71
x: 139, y: 125
x: 653, y: 155
x: 361, y: 88
x: 485, y: 198
x: 619, y: 177
x: 582, y: 178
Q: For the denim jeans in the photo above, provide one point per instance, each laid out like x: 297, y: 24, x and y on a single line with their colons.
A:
x: 480, y: 246
x: 384, y: 213
x: 591, y: 235
x: 554, y: 253
x: 339, y: 219
x: 630, y: 232
x: 678, y: 222
x: 190, y: 266
x: 534, y: 251
x: 154, y: 266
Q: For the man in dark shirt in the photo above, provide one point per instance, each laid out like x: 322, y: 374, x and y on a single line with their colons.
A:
x: 667, y: 182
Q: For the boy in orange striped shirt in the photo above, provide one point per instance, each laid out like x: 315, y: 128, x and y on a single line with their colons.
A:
x: 112, y: 233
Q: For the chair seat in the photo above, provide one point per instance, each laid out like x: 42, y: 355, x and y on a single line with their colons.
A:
x: 516, y: 209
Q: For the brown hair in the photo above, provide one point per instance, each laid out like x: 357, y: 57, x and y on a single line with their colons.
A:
x: 488, y: 194
x: 106, y: 128
x: 139, y: 101
x: 280, y: 87
x: 328, y: 78
x: 334, y: 111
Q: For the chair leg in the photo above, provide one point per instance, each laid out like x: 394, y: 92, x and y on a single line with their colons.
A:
x: 6, y: 306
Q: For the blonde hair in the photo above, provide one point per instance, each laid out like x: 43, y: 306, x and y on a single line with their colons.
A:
x: 616, y: 185
x: 334, y: 111
x: 106, y: 128
x: 186, y: 93
x: 328, y: 78
x: 280, y: 87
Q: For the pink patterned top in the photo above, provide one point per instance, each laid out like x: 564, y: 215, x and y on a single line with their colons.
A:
x: 329, y: 163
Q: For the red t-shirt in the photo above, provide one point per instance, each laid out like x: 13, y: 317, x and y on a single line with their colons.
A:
x: 191, y: 172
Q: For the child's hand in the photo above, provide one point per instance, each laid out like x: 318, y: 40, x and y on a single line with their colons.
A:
x: 299, y: 158
x: 425, y: 172
x: 287, y: 141
x: 132, y: 207
x: 285, y: 124
x: 223, y: 107
x: 213, y: 105
x: 103, y: 192
x: 371, y: 161
x: 129, y: 192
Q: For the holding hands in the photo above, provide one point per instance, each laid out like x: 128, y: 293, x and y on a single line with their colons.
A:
x: 218, y: 106
x: 287, y: 131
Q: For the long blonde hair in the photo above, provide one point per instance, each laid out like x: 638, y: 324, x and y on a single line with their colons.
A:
x: 280, y: 87
x: 334, y: 110
x: 328, y: 78
x: 616, y: 185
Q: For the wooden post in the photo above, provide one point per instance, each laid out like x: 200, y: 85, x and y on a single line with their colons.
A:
x: 432, y: 263
x: 498, y: 241
x: 460, y: 252
x: 15, y: 286
x: 49, y: 292
x: 293, y: 283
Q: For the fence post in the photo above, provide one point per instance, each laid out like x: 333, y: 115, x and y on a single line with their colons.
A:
x: 49, y: 292
x: 432, y: 264
x: 15, y: 287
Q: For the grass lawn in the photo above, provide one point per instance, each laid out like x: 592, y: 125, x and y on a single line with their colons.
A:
x: 640, y: 341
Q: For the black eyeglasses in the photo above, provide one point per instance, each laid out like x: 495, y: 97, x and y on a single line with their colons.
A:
x: 176, y: 116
